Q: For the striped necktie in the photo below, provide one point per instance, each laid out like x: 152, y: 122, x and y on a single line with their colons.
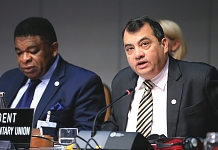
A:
x: 27, y: 97
x: 145, y: 111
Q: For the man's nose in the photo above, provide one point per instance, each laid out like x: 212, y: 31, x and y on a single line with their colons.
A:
x: 26, y: 57
x: 139, y: 53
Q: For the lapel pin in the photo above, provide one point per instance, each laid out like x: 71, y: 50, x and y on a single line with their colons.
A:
x: 173, y: 101
x: 56, y: 83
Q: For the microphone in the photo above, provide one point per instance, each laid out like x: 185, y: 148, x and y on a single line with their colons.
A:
x: 127, y: 92
x: 2, y: 100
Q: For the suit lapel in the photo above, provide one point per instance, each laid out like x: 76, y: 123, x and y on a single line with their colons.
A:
x: 174, y: 93
x: 54, y: 84
x: 128, y: 99
x: 11, y: 94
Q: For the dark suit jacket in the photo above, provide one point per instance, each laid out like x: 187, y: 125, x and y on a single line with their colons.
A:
x: 193, y: 85
x: 80, y: 93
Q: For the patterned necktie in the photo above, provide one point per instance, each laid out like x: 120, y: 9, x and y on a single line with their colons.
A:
x: 27, y: 97
x: 145, y: 111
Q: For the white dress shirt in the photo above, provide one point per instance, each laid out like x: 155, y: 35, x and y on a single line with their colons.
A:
x: 159, y: 93
x: 39, y: 89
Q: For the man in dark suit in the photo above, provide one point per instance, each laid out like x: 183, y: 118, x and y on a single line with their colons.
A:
x: 72, y: 95
x: 185, y: 94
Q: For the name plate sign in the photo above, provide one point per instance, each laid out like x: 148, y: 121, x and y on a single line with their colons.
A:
x: 16, y: 125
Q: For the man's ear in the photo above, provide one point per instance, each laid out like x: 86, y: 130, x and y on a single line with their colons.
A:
x: 54, y: 48
x: 165, y: 43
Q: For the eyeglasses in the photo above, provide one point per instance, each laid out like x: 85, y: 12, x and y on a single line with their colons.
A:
x: 153, y: 138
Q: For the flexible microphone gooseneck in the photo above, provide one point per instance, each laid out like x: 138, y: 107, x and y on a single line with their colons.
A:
x: 127, y: 92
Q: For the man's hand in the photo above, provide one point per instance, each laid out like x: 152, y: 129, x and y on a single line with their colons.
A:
x: 36, y: 131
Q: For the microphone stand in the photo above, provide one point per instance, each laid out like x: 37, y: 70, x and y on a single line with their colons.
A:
x: 102, y: 110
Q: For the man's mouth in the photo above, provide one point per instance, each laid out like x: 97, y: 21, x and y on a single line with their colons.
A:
x: 142, y: 64
x: 27, y: 69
